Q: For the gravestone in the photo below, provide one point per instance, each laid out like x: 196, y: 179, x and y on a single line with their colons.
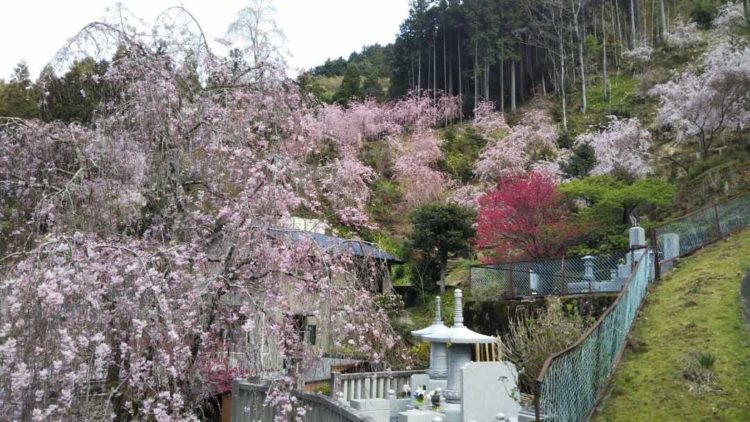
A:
x: 489, y: 388
x: 533, y: 280
x: 588, y: 268
x: 671, y: 246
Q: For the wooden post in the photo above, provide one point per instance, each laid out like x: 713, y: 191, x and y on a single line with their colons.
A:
x: 537, y: 409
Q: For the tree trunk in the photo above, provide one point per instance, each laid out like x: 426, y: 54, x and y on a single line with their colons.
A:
x: 434, y: 71
x: 521, y: 72
x: 443, y: 270
x: 605, y: 87
x: 513, y: 86
x: 562, y: 79
x: 450, y: 77
x: 502, y: 85
x: 429, y: 72
x: 411, y: 72
x: 486, y: 80
x: 615, y: 28
x: 634, y: 36
x: 445, y: 67
x: 476, y: 74
x: 419, y: 76
x: 460, y: 71
x: 582, y: 65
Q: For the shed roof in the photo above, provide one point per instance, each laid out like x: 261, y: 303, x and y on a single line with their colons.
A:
x: 338, y: 244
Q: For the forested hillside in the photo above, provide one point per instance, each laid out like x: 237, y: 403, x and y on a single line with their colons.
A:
x: 635, y: 106
x: 149, y: 185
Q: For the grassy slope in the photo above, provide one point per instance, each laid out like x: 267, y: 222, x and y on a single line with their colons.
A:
x: 648, y: 384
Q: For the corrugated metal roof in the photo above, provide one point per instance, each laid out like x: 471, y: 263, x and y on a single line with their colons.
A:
x: 338, y: 244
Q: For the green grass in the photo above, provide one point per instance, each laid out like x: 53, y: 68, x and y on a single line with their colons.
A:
x: 695, y: 308
x: 623, y: 102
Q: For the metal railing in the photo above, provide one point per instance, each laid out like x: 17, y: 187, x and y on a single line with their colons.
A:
x: 370, y: 385
x: 249, y: 404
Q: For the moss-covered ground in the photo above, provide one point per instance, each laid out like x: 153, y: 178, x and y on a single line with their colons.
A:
x: 697, y: 308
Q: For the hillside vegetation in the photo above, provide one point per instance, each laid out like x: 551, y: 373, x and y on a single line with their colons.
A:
x: 148, y: 186
x: 688, y: 356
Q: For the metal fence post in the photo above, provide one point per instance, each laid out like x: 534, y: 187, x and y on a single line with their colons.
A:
x: 718, y: 221
x: 657, y: 264
x: 510, y: 280
x: 537, y: 407
x: 562, y: 273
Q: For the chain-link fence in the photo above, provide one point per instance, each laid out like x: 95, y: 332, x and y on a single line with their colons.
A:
x: 700, y: 228
x: 569, y: 275
x: 571, y: 381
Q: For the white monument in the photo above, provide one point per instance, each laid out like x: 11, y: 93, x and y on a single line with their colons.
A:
x: 460, y: 339
x: 671, y: 248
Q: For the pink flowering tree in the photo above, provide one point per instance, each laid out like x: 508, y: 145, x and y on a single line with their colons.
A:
x: 729, y: 17
x: 414, y: 168
x: 524, y: 217
x: 405, y: 125
x: 489, y: 121
x: 700, y: 107
x: 534, y: 139
x: 683, y: 35
x: 144, y: 248
x: 622, y: 146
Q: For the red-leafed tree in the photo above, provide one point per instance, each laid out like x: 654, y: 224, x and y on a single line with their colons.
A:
x: 524, y: 217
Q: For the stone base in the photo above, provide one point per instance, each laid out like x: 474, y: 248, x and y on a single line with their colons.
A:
x: 415, y: 415
x: 452, y: 412
x: 378, y: 409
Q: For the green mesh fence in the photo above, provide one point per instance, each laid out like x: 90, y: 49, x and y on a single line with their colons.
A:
x: 571, y: 381
x: 549, y: 277
x: 700, y: 228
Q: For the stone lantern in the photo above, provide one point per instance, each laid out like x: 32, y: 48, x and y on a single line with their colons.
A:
x: 458, y: 340
x: 438, y: 369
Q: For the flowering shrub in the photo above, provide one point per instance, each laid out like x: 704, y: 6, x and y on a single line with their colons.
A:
x: 466, y: 196
x: 414, y: 168
x: 638, y: 57
x: 533, y: 139
x: 700, y: 106
x: 488, y: 120
x: 683, y: 35
x: 621, y: 146
x: 729, y: 16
